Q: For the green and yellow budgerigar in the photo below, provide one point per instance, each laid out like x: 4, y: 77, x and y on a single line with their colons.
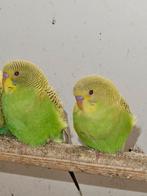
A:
x: 32, y: 109
x: 101, y: 116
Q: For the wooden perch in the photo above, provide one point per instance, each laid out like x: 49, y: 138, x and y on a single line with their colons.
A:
x: 129, y: 165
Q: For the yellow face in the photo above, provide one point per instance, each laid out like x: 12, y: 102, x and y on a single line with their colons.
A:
x: 91, y: 90
x: 84, y: 94
x: 81, y: 98
x: 16, y: 73
x: 8, y: 80
x: 22, y: 74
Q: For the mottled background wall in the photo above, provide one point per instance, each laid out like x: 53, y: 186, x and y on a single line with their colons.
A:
x: 69, y: 39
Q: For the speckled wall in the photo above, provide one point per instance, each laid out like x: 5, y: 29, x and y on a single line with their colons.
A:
x: 69, y: 39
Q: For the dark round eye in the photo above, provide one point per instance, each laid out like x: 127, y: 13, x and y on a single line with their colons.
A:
x: 16, y: 73
x: 91, y: 92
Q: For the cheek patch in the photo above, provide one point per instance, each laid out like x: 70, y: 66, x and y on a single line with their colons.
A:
x: 5, y: 75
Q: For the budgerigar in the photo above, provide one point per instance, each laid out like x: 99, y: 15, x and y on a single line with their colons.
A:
x: 101, y: 116
x: 32, y: 109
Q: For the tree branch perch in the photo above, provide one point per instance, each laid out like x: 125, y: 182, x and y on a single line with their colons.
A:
x: 129, y: 165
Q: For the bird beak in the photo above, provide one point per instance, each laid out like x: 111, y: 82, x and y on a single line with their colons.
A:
x: 7, y: 83
x: 79, y: 100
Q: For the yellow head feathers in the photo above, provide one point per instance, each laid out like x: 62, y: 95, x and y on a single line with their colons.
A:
x: 94, y: 89
x: 24, y: 74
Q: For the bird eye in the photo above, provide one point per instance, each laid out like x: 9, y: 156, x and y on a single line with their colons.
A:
x: 91, y: 92
x: 16, y: 73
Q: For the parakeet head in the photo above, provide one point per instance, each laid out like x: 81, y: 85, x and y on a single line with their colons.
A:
x: 93, y: 89
x: 20, y: 73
